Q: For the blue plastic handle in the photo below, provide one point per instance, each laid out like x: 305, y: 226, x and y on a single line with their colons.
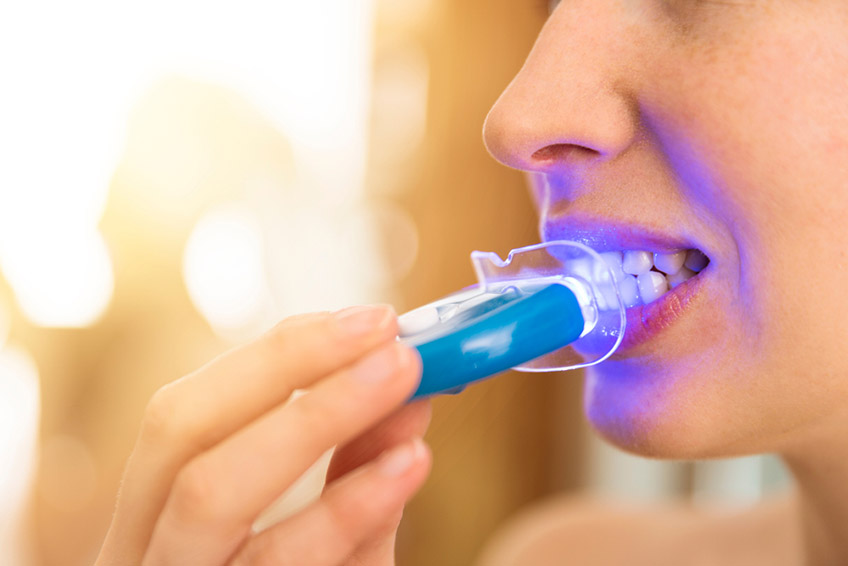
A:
x: 502, y: 333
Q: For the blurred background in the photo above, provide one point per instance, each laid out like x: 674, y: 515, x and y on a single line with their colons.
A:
x: 178, y: 175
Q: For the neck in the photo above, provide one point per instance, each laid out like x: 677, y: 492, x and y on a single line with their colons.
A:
x: 820, y: 468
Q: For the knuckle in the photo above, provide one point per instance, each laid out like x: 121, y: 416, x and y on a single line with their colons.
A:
x: 276, y: 338
x: 294, y: 329
x: 168, y: 419
x: 313, y: 413
x: 161, y: 414
x: 195, y: 497
x: 294, y: 339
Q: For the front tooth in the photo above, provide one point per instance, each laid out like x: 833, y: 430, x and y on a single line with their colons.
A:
x: 628, y: 288
x: 696, y: 261
x: 637, y: 262
x: 679, y: 277
x: 651, y: 286
x: 608, y: 294
x: 614, y: 261
x: 670, y: 263
x: 580, y: 268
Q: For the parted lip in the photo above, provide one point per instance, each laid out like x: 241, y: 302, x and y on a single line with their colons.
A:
x: 603, y: 235
x: 644, y: 322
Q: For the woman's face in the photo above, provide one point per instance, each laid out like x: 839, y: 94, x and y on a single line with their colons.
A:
x: 713, y: 125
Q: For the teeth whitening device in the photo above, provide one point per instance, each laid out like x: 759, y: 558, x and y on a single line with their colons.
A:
x: 549, y: 307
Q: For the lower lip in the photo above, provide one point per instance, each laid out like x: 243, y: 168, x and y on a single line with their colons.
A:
x: 644, y: 322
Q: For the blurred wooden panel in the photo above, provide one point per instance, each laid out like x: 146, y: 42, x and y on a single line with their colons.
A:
x: 499, y: 445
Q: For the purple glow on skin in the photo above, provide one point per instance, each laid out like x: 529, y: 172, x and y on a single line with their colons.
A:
x: 629, y: 405
x: 719, y: 123
x: 627, y: 400
x: 623, y: 391
x: 632, y: 402
x: 703, y: 188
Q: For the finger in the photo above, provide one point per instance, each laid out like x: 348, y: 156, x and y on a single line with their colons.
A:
x: 218, y: 495
x: 234, y: 389
x: 368, y: 499
x: 199, y: 410
x: 408, y: 421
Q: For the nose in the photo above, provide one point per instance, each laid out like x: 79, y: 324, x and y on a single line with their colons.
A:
x: 572, y: 101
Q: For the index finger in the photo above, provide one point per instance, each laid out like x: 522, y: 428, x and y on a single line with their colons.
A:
x: 240, y: 385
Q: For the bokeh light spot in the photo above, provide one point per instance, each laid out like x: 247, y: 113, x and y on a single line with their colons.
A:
x: 223, y: 268
x: 61, y: 278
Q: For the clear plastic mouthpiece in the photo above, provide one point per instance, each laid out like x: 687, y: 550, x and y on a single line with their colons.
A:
x: 548, y: 307
x: 585, y: 273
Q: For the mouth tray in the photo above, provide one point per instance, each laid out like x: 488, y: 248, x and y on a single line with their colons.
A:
x: 548, y: 307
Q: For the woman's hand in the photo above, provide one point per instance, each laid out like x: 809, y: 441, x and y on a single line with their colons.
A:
x: 220, y: 445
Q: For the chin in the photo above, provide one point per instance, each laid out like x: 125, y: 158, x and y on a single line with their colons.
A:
x: 655, y: 412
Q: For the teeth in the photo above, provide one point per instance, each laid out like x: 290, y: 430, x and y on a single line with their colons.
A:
x: 652, y: 285
x: 607, y: 299
x: 679, y: 277
x: 637, y: 262
x: 696, y: 261
x: 637, y: 273
x: 614, y: 261
x: 670, y: 263
x: 629, y: 289
x: 581, y: 268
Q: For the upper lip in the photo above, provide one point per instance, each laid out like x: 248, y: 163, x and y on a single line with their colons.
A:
x: 603, y: 235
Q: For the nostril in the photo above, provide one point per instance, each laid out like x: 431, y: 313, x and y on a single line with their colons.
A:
x: 561, y: 153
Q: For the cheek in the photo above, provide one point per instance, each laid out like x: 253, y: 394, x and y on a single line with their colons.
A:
x: 765, y: 126
x: 774, y: 137
x: 757, y: 135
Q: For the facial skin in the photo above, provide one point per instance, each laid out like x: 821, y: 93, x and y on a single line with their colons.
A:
x: 724, y: 124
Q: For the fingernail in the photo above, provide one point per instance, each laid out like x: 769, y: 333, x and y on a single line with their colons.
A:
x: 356, y: 321
x: 399, y: 459
x: 380, y: 365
